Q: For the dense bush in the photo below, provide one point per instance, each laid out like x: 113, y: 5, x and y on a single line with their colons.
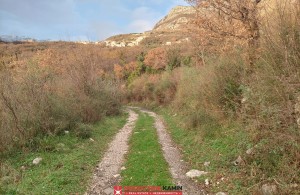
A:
x: 83, y: 131
x: 158, y: 88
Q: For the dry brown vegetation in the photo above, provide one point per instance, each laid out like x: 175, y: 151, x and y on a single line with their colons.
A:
x: 48, y: 88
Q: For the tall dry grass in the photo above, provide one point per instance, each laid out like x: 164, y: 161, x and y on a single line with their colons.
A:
x: 51, y: 92
x: 270, y: 106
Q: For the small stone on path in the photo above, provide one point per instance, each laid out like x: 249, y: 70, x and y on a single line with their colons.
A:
x: 268, y: 189
x: 221, y: 193
x: 249, y: 151
x: 123, y: 168
x: 294, y: 185
x: 195, y: 173
x: 206, y: 182
x: 206, y: 164
x: 108, y: 191
x: 37, y: 161
x: 238, y: 161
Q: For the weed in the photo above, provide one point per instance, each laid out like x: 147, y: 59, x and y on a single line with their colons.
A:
x: 83, y: 131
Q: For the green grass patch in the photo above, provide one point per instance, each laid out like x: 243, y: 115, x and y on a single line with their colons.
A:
x: 214, y: 143
x: 65, y: 169
x: 145, y: 164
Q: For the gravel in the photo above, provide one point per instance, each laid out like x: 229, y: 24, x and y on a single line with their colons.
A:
x: 172, y: 155
x: 104, y: 178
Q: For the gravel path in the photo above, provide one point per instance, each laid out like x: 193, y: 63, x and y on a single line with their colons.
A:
x: 107, y: 175
x: 177, y: 167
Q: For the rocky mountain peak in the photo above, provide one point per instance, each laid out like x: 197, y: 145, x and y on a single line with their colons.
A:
x: 172, y: 29
x: 177, y: 18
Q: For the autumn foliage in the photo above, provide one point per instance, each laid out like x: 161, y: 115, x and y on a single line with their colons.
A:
x: 51, y: 90
x: 156, y: 58
x: 229, y: 24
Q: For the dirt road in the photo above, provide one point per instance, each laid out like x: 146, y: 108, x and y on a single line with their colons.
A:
x: 107, y: 173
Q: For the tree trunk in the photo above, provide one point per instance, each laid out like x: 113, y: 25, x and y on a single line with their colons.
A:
x: 252, y: 26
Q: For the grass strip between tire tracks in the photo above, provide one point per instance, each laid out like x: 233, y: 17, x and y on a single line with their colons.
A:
x: 145, y: 164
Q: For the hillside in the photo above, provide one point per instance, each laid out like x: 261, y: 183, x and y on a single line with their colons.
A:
x: 172, y: 29
x: 223, y: 78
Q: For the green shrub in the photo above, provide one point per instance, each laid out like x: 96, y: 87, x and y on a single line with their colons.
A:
x: 187, y: 61
x: 173, y: 58
x: 83, y: 131
x: 231, y: 100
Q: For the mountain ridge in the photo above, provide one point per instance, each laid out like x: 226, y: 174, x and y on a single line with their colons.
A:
x: 172, y: 29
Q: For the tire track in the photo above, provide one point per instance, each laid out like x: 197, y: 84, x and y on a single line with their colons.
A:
x: 107, y: 174
x: 177, y: 167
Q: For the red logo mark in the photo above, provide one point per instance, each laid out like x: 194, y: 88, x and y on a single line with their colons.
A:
x: 118, y: 190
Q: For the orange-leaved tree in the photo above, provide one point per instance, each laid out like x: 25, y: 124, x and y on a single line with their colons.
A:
x: 231, y: 19
x: 156, y: 59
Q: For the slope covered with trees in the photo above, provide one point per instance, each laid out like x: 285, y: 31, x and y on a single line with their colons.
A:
x: 245, y: 69
x: 230, y: 89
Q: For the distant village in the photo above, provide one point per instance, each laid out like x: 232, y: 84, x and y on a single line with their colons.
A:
x: 21, y: 39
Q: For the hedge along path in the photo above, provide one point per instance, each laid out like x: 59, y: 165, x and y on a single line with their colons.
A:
x: 106, y: 175
x: 171, y: 153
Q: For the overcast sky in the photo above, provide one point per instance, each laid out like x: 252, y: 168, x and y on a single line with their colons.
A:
x: 80, y: 19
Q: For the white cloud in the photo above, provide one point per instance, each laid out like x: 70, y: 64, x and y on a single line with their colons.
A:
x: 140, y: 25
x: 79, y: 38
x: 71, y: 19
x: 143, y: 19
x: 104, y: 29
x: 142, y: 12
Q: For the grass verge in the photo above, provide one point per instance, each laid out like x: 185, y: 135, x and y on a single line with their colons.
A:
x: 66, y: 169
x: 145, y: 164
x: 214, y: 143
